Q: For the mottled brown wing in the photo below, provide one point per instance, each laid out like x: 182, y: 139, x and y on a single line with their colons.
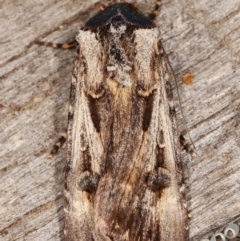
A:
x: 124, y: 172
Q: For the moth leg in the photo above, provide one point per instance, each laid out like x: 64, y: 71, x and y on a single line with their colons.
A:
x: 68, y: 45
x: 186, y: 146
x: 152, y: 16
x: 58, y: 145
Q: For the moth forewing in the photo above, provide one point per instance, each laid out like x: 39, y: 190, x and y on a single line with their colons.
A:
x: 124, y: 170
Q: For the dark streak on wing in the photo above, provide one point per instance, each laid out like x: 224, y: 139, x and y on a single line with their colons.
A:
x: 169, y: 90
x: 159, y: 156
x: 92, y: 102
x: 147, y: 111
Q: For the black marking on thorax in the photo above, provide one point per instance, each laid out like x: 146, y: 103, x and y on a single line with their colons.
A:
x: 129, y: 14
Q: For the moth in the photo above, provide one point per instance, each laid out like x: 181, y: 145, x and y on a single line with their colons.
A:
x: 124, y: 178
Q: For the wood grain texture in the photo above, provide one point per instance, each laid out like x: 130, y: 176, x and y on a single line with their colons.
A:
x: 203, y: 36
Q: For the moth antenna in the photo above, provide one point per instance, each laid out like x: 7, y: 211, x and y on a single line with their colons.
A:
x: 68, y: 45
x: 155, y: 12
x: 181, y: 109
x: 184, y: 143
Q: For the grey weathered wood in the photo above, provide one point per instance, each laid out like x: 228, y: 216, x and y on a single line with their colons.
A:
x: 201, y: 35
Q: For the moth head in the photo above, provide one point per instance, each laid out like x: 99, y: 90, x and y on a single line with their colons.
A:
x: 117, y: 14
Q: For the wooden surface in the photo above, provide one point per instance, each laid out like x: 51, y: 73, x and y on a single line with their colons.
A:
x: 198, y: 35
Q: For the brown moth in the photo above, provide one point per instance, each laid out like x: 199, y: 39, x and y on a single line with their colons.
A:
x: 124, y: 173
